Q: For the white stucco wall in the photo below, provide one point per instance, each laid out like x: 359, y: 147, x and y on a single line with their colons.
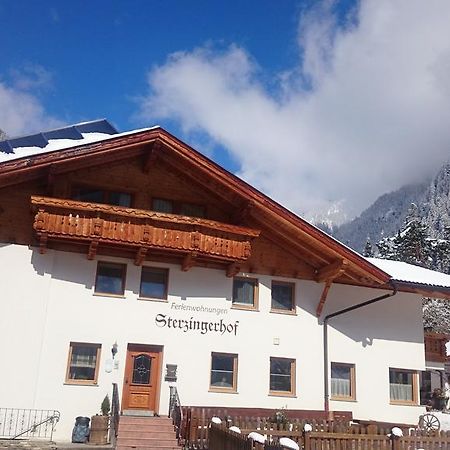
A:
x: 47, y: 301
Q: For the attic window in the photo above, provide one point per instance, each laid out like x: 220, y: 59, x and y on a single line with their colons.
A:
x: 174, y: 207
x: 86, y: 194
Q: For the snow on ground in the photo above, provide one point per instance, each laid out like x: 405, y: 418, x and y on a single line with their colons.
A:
x: 401, y: 271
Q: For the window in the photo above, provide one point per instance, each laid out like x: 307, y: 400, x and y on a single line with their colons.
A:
x: 110, y: 278
x: 175, y: 207
x: 87, y: 194
x: 223, y: 372
x: 283, y: 296
x: 161, y: 205
x: 154, y: 283
x: 82, y: 367
x: 282, y: 376
x: 342, y: 381
x: 403, y: 386
x: 192, y: 210
x: 245, y: 293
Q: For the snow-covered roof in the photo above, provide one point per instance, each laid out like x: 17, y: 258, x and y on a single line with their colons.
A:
x: 408, y: 273
x: 59, y: 139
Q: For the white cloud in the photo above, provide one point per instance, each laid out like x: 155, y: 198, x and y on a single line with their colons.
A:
x: 21, y: 109
x: 375, y: 113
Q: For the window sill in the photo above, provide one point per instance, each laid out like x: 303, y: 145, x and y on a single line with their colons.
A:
x: 244, y: 308
x: 343, y: 399
x: 78, y: 383
x: 100, y: 294
x: 223, y: 391
x: 282, y: 394
x: 404, y: 403
x: 284, y: 311
x: 153, y: 299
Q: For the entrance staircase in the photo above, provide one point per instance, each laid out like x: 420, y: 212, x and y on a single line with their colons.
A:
x: 146, y: 433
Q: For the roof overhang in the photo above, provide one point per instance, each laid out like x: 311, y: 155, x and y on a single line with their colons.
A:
x: 340, y: 263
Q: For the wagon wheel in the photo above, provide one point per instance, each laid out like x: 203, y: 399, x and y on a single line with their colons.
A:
x: 429, y: 422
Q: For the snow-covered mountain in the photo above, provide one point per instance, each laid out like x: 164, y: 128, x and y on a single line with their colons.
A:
x: 383, y: 218
x: 386, y: 215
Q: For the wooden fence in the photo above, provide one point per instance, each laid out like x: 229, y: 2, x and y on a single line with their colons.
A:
x: 220, y: 438
x: 196, y: 420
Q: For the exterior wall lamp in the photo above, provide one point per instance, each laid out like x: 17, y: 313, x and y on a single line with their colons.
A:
x: 114, y: 350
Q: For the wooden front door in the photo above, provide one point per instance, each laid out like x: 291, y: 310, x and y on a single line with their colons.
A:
x: 142, y: 378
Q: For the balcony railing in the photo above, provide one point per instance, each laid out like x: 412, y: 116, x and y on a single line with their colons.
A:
x: 107, y: 225
x: 435, y: 349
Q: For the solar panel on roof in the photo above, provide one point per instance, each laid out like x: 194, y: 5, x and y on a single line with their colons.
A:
x: 64, y: 133
x: 6, y: 147
x: 73, y: 132
x: 98, y: 126
x: 34, y: 140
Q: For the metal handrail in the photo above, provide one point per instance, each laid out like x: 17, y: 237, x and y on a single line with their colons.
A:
x: 36, y: 423
x: 115, y: 414
x: 53, y: 419
x: 176, y: 412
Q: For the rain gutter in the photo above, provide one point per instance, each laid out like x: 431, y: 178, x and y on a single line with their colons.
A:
x: 325, y: 337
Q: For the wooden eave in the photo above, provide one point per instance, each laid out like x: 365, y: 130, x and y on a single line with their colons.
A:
x: 426, y: 290
x: 318, y: 249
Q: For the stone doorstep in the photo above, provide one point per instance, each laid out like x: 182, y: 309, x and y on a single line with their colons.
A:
x: 47, y: 445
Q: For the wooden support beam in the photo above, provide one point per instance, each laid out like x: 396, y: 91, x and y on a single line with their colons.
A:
x: 43, y: 243
x: 233, y: 269
x: 323, y: 298
x: 153, y: 153
x: 51, y: 178
x: 92, y: 252
x: 188, y: 261
x: 329, y: 274
x: 331, y: 271
x: 140, y: 256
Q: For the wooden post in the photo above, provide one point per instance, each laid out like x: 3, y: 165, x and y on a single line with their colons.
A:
x: 395, y: 443
x: 306, y: 441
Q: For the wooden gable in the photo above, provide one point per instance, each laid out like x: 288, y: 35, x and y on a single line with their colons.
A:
x: 242, y: 230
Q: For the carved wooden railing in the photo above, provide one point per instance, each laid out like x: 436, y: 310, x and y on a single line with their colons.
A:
x: 435, y: 349
x: 99, y: 224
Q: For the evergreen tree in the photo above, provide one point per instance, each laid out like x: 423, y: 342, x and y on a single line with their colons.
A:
x: 411, y: 244
x: 436, y: 315
x: 368, y: 249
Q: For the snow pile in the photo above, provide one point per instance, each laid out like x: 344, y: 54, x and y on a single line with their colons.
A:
x: 409, y: 273
x: 397, y: 432
x: 257, y: 437
x: 289, y: 443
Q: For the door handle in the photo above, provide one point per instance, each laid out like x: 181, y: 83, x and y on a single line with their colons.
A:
x: 126, y: 381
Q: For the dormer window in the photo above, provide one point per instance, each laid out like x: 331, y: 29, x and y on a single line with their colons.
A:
x: 87, y: 194
x: 181, y: 208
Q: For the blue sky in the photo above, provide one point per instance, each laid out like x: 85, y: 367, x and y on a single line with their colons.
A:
x: 98, y: 53
x: 297, y: 97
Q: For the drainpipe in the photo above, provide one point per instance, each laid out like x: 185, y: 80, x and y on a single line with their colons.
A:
x: 325, y: 337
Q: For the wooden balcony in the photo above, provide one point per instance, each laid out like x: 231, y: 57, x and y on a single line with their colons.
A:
x: 98, y: 226
x: 435, y: 350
